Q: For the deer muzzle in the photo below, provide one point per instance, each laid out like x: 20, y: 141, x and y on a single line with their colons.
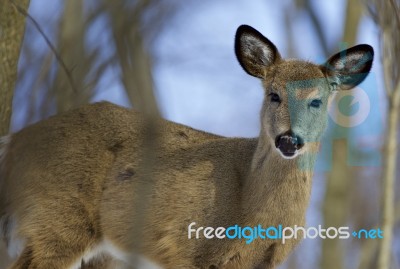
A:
x: 289, y: 144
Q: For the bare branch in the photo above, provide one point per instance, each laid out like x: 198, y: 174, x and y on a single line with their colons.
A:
x: 48, y: 42
x: 390, y: 31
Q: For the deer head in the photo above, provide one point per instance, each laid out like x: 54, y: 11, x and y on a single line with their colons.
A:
x: 297, y: 93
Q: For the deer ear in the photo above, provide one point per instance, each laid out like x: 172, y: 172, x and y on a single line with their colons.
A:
x: 350, y: 67
x: 254, y: 51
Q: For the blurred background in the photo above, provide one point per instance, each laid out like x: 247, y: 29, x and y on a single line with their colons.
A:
x: 176, y: 58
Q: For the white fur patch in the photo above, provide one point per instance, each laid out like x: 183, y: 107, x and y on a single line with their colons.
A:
x: 144, y: 263
x: 108, y: 248
x: 288, y: 157
x: 88, y: 255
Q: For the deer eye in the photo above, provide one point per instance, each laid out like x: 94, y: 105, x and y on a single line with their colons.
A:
x: 316, y: 103
x: 274, y: 98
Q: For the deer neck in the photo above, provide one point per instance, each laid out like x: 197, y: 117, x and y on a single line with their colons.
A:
x: 276, y: 184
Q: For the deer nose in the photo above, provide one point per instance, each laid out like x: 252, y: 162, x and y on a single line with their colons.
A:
x: 289, y: 143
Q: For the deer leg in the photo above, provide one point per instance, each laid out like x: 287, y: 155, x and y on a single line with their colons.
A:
x: 48, y: 258
x: 60, y: 248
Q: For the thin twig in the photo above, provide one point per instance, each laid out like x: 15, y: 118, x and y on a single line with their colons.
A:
x: 48, y: 42
x: 317, y: 26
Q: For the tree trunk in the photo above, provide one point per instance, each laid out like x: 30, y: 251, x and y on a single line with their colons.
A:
x: 12, y: 27
x: 388, y: 17
x: 336, y: 203
x: 388, y: 181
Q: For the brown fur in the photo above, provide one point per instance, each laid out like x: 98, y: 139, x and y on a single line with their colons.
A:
x: 73, y: 180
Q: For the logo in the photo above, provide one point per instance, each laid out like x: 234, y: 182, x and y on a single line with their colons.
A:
x: 283, y: 234
x: 359, y: 99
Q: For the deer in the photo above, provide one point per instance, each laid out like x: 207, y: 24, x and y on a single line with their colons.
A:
x: 70, y: 184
